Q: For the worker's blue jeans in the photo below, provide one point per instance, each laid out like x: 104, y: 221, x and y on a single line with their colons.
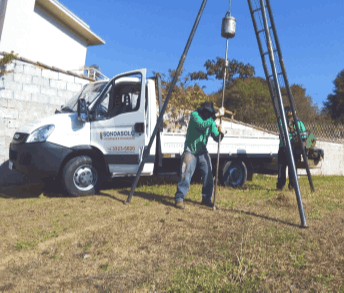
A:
x: 189, y: 163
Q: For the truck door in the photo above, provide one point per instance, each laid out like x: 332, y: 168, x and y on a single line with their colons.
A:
x: 119, y: 127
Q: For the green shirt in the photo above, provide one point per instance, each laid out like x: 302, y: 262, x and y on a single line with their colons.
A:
x: 301, y: 128
x: 198, y: 133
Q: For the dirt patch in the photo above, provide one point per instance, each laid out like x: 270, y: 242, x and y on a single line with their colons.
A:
x: 285, y: 199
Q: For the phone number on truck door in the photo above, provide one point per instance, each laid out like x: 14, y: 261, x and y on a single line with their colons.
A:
x: 121, y: 149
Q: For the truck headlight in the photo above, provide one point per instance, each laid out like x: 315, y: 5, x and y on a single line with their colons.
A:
x: 41, y: 134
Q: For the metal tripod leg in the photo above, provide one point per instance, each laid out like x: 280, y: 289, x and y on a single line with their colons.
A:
x: 275, y: 91
x: 174, y: 81
x: 282, y: 113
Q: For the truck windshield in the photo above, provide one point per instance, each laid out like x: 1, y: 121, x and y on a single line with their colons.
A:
x: 89, y: 92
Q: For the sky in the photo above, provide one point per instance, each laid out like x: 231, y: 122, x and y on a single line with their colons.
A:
x: 152, y: 34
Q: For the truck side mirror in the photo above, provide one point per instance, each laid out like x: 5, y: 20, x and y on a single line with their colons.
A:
x: 82, y: 110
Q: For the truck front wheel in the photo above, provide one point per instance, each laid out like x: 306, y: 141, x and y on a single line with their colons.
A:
x: 81, y: 176
x: 234, y: 173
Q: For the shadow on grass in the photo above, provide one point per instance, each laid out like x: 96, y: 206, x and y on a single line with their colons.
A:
x: 169, y: 201
x: 124, y: 188
x: 21, y: 191
x: 53, y: 189
x: 260, y: 216
x: 34, y: 190
x: 126, y: 184
x: 163, y: 199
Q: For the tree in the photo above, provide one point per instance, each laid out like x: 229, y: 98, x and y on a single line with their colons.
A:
x: 250, y: 98
x: 184, y: 95
x: 306, y: 110
x: 217, y: 68
x: 334, y: 105
x: 245, y: 94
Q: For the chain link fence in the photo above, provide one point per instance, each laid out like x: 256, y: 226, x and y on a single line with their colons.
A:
x: 322, y: 131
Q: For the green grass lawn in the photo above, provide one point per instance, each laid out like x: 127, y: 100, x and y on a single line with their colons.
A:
x: 253, y: 243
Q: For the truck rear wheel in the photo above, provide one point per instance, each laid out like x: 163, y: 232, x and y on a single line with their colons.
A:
x: 81, y: 176
x: 234, y: 173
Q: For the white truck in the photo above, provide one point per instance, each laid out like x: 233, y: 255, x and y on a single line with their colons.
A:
x: 102, y: 131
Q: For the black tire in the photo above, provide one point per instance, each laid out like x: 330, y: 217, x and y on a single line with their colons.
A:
x: 233, y: 173
x: 81, y: 176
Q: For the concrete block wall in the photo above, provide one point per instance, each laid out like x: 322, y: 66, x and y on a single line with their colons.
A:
x: 28, y: 92
x: 333, y: 163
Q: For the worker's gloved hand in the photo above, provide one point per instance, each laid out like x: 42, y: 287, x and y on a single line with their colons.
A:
x: 221, y: 130
x: 221, y: 112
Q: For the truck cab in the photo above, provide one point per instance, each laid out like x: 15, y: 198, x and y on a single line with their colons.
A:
x: 100, y: 133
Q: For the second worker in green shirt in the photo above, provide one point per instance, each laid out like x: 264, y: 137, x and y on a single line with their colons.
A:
x: 282, y: 152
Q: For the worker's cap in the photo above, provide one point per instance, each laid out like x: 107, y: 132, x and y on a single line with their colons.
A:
x: 209, y: 106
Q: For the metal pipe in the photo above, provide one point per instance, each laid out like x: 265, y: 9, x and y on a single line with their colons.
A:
x: 161, y: 114
x: 225, y: 74
x: 290, y: 96
x: 218, y: 145
x: 284, y: 121
x: 158, y: 141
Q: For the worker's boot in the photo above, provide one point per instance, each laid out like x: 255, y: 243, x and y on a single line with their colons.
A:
x: 290, y: 186
x: 208, y: 203
x: 180, y: 205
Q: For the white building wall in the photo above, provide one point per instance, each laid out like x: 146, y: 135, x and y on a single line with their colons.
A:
x: 32, y: 33
x: 53, y: 44
x: 17, y: 26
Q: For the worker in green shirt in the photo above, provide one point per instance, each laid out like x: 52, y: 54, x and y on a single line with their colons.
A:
x: 201, y: 125
x: 282, y: 152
